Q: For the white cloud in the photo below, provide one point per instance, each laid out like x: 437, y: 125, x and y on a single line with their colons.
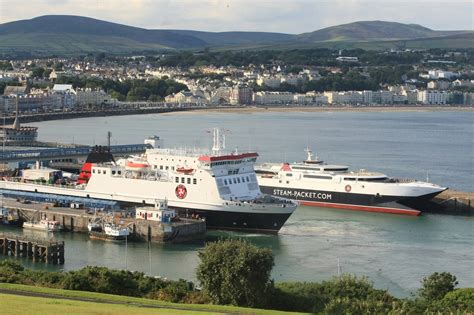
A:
x: 290, y: 16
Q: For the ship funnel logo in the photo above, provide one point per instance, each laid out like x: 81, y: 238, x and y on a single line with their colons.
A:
x: 181, y: 191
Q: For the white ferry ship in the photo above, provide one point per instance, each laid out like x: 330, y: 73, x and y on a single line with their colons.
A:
x: 219, y: 187
x: 314, y: 183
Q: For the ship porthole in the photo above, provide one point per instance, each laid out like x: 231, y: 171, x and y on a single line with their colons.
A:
x: 274, y: 224
x: 235, y: 223
x: 245, y: 223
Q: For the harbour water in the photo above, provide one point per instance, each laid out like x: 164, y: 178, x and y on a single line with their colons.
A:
x: 394, y: 251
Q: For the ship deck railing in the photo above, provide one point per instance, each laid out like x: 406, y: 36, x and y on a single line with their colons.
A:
x: 42, y: 183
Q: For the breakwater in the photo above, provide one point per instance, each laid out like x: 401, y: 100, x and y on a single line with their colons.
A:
x: 37, y: 117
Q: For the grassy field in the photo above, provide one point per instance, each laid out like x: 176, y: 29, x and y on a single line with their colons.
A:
x: 13, y: 304
x: 22, y: 299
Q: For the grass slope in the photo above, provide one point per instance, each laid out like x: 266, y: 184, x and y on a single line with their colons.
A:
x: 54, y: 301
x: 13, y: 304
x: 44, y: 44
x: 371, y: 31
x: 465, y: 40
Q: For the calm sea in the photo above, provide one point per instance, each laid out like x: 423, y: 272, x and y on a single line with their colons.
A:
x: 394, y: 251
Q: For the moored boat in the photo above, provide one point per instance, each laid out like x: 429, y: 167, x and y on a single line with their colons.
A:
x: 9, y: 217
x: 110, y: 232
x: 222, y: 188
x: 43, y: 225
x: 314, y: 183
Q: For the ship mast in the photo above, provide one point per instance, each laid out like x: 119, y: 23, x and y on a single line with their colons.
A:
x: 219, y: 141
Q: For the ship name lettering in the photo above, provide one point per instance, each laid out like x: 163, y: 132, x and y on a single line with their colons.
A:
x: 301, y: 194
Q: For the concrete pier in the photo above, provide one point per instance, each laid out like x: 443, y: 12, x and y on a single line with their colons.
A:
x: 46, y: 251
x: 453, y: 202
x: 76, y: 220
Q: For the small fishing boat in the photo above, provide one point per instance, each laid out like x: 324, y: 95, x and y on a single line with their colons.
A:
x: 8, y: 217
x: 108, y: 232
x: 43, y: 225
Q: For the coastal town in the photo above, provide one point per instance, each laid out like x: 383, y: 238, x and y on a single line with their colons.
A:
x: 95, y: 82
x: 236, y: 157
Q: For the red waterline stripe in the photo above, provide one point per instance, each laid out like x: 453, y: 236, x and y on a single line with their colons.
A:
x: 361, y: 208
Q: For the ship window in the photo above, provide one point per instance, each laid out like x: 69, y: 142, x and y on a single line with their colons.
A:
x: 93, y: 171
x: 182, y: 180
x: 248, y: 179
x: 235, y: 181
x: 289, y: 174
x: 113, y: 172
x: 349, y: 178
x: 172, y: 167
x: 167, y: 167
x: 189, y: 180
x: 105, y: 172
x: 161, y: 167
x: 177, y: 180
x: 119, y: 172
x: 225, y: 181
x: 194, y: 181
x: 238, y: 180
x: 99, y: 172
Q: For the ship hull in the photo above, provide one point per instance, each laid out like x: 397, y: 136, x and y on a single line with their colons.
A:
x: 351, y: 201
x: 266, y: 223
x: 102, y: 236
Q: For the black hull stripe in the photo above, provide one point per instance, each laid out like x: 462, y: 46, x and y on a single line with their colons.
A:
x: 239, y: 221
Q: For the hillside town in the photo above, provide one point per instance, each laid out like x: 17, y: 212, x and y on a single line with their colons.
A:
x: 63, y: 84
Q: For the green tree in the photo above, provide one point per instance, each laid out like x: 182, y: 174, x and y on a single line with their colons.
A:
x: 435, y: 286
x: 46, y: 73
x: 117, y: 95
x: 457, y: 301
x: 37, y: 72
x: 235, y: 272
x: 59, y: 66
x: 6, y: 65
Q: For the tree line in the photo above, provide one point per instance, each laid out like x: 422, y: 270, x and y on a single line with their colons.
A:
x: 127, y: 90
x: 235, y: 272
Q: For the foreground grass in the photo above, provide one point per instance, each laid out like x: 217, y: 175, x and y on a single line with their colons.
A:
x: 99, y: 303
x: 14, y: 304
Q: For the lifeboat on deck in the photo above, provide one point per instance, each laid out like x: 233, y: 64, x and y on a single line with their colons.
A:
x: 136, y: 164
x: 185, y: 170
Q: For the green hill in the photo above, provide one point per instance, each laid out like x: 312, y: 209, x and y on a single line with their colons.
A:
x: 372, y: 31
x: 73, y: 35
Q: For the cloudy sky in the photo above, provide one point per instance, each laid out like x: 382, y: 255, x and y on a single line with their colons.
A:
x: 287, y: 16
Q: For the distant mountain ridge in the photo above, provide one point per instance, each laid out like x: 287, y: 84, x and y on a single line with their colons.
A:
x: 70, y: 35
